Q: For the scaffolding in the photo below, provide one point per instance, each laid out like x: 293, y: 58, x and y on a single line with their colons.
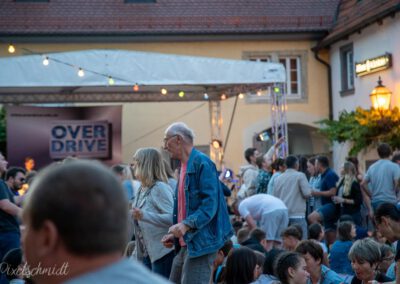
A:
x: 278, y: 118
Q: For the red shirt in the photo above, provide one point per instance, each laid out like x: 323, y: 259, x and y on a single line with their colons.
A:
x: 181, y: 199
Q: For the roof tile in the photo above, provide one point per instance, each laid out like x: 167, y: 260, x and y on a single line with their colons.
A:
x: 166, y: 16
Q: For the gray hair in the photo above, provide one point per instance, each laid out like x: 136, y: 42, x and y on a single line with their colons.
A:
x: 181, y: 129
x: 365, y: 250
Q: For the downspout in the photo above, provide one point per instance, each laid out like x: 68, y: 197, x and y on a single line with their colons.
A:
x: 330, y: 96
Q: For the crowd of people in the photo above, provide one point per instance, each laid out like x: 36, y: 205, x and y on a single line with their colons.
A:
x: 289, y: 221
x: 319, y: 226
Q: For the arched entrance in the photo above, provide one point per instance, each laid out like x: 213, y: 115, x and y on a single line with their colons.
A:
x: 303, y: 140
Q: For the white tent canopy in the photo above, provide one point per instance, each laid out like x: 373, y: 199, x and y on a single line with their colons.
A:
x: 27, y: 76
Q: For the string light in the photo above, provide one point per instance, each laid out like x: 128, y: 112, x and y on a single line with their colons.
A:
x: 11, y: 48
x: 259, y: 93
x: 111, y: 80
x: 81, y: 73
x: 46, y: 61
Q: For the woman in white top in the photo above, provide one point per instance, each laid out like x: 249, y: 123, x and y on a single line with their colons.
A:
x: 152, y: 211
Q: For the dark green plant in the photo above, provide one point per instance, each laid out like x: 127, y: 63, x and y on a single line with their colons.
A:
x: 364, y: 128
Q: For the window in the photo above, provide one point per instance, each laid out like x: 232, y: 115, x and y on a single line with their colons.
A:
x: 295, y: 66
x: 293, y: 76
x: 347, y: 69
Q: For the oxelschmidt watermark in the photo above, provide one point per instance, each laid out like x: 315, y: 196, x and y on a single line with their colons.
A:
x: 27, y: 271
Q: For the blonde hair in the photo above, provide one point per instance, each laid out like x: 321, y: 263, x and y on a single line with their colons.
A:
x: 149, y: 166
x: 349, y: 177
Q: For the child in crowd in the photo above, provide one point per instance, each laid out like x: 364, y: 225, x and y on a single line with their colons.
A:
x: 220, y: 261
x: 290, y: 268
x: 269, y: 276
x: 241, y: 266
x: 339, y: 262
x: 291, y: 237
x: 316, y: 233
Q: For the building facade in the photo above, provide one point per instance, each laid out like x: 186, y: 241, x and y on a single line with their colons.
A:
x: 282, y: 32
x: 364, y: 45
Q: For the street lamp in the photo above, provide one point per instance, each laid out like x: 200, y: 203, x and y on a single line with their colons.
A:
x: 380, y: 97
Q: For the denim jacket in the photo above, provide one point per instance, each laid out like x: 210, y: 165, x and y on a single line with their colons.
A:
x: 206, y: 211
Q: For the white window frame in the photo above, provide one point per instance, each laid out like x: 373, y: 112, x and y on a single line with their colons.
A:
x: 350, y: 69
x: 347, y: 75
x: 287, y: 64
x: 276, y: 56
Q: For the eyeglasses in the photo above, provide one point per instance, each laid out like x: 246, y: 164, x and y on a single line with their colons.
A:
x: 21, y: 180
x: 166, y: 139
x: 388, y: 258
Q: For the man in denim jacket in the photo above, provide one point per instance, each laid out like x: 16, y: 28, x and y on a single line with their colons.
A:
x: 200, y: 214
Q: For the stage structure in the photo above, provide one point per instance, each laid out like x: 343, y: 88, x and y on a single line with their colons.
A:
x: 132, y: 76
x: 278, y: 117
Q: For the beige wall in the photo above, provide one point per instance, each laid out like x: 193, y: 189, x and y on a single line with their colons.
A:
x: 150, y: 119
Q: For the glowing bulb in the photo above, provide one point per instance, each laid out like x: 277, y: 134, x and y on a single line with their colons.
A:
x: 11, y: 48
x: 81, y: 73
x: 181, y: 94
x: 206, y: 96
x: 259, y: 93
x: 276, y: 90
x: 241, y: 96
x: 164, y: 91
x: 381, y: 102
x: 46, y: 61
x: 111, y: 80
x: 136, y: 87
x: 223, y: 97
x: 216, y: 144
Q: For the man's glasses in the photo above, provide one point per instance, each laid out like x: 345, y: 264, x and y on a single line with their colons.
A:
x: 166, y: 139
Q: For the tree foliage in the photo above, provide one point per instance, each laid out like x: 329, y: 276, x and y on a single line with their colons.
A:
x: 364, y: 128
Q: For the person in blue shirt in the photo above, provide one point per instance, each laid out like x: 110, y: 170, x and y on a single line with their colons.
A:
x: 338, y: 255
x: 327, y: 190
x: 319, y: 273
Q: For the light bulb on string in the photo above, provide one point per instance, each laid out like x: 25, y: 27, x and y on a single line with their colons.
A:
x: 136, y: 87
x: 223, y: 97
x: 81, y: 73
x: 164, y: 91
x: 111, y: 81
x: 46, y: 61
x: 11, y: 48
x: 181, y: 94
x: 241, y: 96
x: 206, y: 96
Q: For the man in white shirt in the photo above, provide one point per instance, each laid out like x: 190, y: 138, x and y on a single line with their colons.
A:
x: 271, y: 214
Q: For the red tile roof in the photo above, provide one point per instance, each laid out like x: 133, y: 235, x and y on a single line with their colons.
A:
x: 103, y: 17
x: 354, y: 15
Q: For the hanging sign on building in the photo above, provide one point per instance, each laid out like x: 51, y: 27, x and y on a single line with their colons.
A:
x: 373, y: 65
